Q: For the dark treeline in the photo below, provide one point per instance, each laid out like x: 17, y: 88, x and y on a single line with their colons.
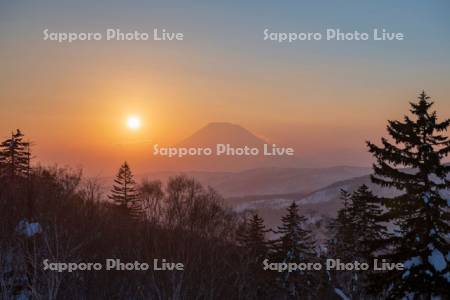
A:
x: 55, y: 214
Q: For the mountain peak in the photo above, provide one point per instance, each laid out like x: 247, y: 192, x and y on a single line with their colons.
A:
x: 222, y: 133
x: 223, y: 126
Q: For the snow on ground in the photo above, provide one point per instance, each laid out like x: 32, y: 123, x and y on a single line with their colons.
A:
x: 265, y: 203
x: 28, y: 229
x: 341, y: 294
x: 437, y: 260
x: 413, y: 261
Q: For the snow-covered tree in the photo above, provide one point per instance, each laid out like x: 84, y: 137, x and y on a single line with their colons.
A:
x: 295, y: 245
x: 412, y: 163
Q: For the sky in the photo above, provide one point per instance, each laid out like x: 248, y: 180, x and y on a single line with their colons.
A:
x: 325, y: 98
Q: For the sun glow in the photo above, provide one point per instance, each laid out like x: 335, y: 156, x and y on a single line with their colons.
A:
x: 134, y: 122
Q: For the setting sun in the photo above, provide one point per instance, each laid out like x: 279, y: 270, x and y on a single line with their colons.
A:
x: 134, y: 122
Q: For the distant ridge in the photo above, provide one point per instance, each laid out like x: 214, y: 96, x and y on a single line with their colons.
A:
x: 268, y: 181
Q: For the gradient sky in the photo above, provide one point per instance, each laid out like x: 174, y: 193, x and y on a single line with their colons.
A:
x: 323, y: 98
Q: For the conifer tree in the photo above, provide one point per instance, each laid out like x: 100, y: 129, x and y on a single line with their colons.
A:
x: 295, y: 245
x: 368, y: 233
x: 412, y: 163
x: 14, y: 157
x: 342, y: 246
x: 356, y: 233
x: 15, y: 176
x: 341, y: 243
x: 252, y: 239
x: 123, y: 192
x: 365, y: 215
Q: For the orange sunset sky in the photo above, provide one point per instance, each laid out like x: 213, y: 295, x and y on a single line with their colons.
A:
x: 322, y: 98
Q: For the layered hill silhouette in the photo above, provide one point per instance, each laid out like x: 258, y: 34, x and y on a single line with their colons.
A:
x: 320, y: 206
x: 258, y: 182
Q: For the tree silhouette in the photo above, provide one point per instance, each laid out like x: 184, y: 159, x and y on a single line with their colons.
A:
x: 15, y: 157
x: 252, y: 238
x: 420, y: 213
x: 356, y: 234
x: 340, y: 245
x: 123, y: 192
x: 365, y: 215
x: 295, y: 245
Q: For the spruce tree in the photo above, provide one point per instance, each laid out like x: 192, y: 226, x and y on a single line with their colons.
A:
x: 123, y: 192
x: 14, y: 157
x: 252, y: 239
x: 412, y: 164
x: 340, y: 245
x: 365, y: 215
x: 368, y: 233
x: 295, y: 245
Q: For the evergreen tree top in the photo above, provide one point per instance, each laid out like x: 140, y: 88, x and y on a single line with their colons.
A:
x: 414, y: 166
x: 420, y: 144
x: 15, y: 156
x: 123, y: 191
x: 293, y: 234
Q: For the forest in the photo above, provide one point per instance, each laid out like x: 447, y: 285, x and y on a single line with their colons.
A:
x: 56, y: 214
